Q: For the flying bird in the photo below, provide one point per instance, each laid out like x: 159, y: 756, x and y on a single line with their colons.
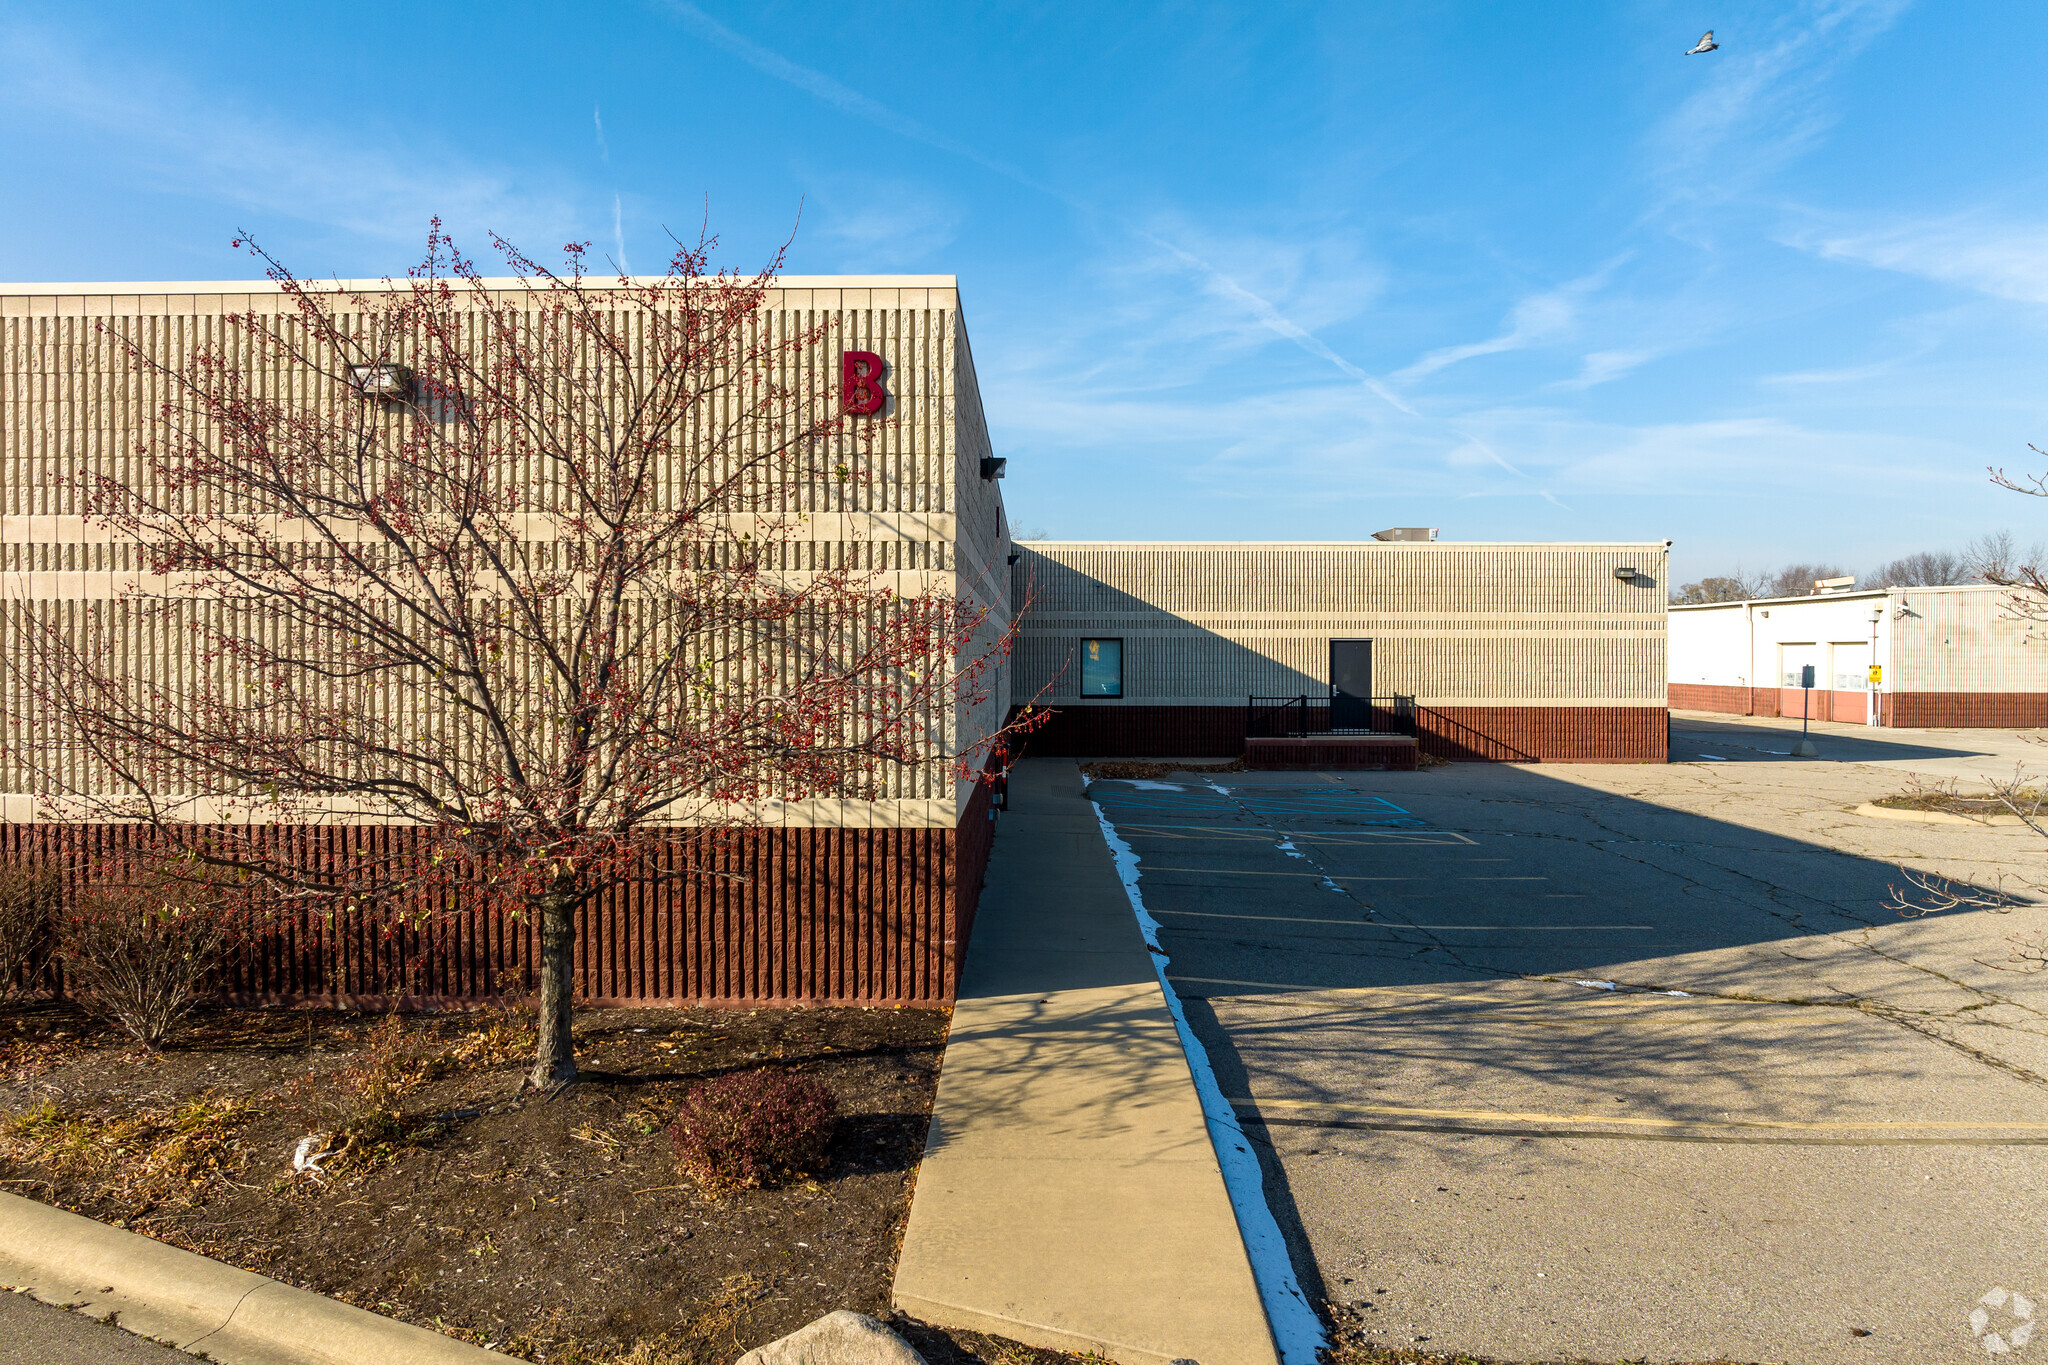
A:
x: 1705, y: 44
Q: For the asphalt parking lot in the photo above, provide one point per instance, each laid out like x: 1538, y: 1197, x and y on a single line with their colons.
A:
x: 1623, y: 1062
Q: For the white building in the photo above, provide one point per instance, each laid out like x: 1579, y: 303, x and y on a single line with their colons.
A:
x: 1955, y: 656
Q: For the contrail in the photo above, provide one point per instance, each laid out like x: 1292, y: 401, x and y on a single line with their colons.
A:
x: 822, y: 86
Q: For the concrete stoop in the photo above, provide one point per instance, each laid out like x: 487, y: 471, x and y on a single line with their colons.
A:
x: 1069, y: 1197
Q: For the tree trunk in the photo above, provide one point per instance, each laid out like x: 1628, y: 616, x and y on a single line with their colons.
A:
x: 554, y: 1061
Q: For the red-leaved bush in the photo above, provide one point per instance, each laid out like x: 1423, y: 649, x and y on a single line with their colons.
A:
x: 743, y: 1129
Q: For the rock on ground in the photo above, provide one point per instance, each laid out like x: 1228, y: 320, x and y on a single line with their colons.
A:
x: 838, y: 1338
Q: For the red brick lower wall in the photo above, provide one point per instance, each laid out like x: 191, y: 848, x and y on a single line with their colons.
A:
x: 1511, y: 734
x: 1965, y: 710
x: 792, y: 916
x: 1849, y: 708
x: 1959, y: 710
x: 1736, y: 701
x: 1546, y: 734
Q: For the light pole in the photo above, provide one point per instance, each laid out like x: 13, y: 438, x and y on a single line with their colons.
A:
x: 1876, y: 674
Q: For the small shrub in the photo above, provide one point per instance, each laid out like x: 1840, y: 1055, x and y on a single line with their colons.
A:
x: 743, y: 1129
x: 139, y: 954
x: 28, y: 914
x: 364, y: 1100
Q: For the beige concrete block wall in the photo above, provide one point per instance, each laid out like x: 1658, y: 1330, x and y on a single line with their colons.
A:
x: 1964, y: 639
x: 1452, y: 624
x: 71, y: 401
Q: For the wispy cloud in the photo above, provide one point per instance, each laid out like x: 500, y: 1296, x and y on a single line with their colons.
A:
x: 604, y: 151
x: 1534, y: 321
x: 851, y: 101
x: 881, y: 223
x: 355, y: 179
x: 1601, y: 366
x: 1972, y: 251
x: 841, y: 96
x: 619, y: 236
x: 1762, y: 101
x: 1225, y: 286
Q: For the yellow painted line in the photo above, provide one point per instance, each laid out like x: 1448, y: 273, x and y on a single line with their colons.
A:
x: 1505, y: 1116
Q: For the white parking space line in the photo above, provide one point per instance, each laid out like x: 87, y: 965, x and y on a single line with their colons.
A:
x: 1625, y: 1121
x: 1501, y: 928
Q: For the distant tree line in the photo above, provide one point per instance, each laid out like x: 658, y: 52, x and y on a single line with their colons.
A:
x: 1995, y: 557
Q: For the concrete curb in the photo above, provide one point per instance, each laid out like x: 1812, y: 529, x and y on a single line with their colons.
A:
x: 1934, y: 817
x: 198, y: 1305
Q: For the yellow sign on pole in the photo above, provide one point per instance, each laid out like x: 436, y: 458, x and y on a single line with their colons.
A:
x: 1876, y: 674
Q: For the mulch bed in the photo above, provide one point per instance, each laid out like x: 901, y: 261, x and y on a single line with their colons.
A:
x: 554, y: 1230
x: 1955, y: 803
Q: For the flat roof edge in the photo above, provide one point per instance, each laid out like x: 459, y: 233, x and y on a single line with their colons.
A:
x: 1845, y: 596
x: 123, y: 287
x: 1341, y: 544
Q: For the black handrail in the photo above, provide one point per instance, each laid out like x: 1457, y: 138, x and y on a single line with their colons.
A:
x: 1301, y: 715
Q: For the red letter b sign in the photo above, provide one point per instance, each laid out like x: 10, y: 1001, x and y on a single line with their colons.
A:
x: 862, y: 373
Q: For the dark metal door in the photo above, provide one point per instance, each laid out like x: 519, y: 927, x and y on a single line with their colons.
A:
x: 1351, y: 684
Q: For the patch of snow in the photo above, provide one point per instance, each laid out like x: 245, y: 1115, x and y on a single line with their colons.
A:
x: 1296, y: 1329
x: 1597, y: 985
x: 1146, y: 784
x: 1682, y: 995
x: 1287, y: 846
x: 1713, y: 758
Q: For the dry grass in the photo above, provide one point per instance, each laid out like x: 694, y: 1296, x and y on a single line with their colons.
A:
x: 149, y: 1158
x: 1961, y: 803
x: 1132, y: 770
x: 711, y: 1338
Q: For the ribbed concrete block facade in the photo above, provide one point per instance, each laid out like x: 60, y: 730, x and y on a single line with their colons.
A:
x: 918, y: 513
x: 848, y: 901
x: 1487, y: 638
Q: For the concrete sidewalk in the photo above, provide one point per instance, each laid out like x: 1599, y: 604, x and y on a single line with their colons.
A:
x: 1069, y: 1197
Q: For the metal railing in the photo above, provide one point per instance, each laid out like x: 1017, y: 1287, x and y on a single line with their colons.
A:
x: 1302, y: 715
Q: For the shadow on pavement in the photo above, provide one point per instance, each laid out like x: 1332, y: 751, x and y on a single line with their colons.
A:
x: 1429, y: 960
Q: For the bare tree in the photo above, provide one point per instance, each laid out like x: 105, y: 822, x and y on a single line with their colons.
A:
x: 1735, y: 587
x: 1797, y: 580
x: 539, y: 602
x: 1998, y: 556
x: 1927, y: 569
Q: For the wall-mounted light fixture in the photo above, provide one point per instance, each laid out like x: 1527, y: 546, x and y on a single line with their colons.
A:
x: 1627, y: 575
x: 992, y: 467
x: 383, y: 380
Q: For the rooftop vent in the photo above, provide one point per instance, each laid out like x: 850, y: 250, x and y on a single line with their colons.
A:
x: 1828, y: 585
x: 1406, y: 533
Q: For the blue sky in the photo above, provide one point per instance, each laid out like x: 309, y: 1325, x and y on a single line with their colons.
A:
x: 1231, y: 271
